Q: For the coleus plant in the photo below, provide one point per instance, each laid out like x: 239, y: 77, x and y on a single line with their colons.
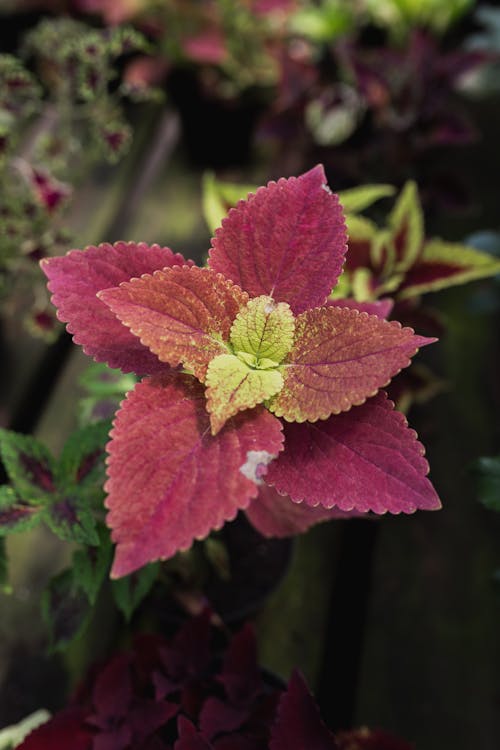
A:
x: 260, y: 394
x: 180, y: 694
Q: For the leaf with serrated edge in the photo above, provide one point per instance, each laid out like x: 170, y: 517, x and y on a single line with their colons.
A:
x: 76, y: 278
x: 275, y: 515
x: 29, y: 465
x: 81, y: 464
x: 366, y: 459
x: 339, y: 359
x: 183, y: 315
x: 264, y: 328
x: 233, y: 386
x: 170, y: 482
x: 444, y: 264
x: 287, y: 241
x: 70, y: 519
x: 381, y: 307
x: 406, y: 223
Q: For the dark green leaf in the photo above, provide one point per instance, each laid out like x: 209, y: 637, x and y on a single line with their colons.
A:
x: 81, y: 466
x: 16, y: 514
x: 29, y: 465
x: 65, y: 609
x: 488, y: 481
x: 71, y: 519
x: 91, y: 565
x: 129, y: 591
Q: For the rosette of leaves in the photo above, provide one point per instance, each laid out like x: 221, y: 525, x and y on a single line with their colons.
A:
x: 260, y: 394
x: 181, y: 694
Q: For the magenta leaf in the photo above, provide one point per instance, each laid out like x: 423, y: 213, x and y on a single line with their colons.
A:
x: 76, y: 278
x: 170, y: 481
x: 189, y: 737
x: 298, y: 724
x: 183, y: 315
x: 275, y: 515
x: 287, y: 241
x: 339, y: 359
x: 366, y: 460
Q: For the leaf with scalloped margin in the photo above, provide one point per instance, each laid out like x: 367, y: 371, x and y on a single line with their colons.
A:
x: 287, y: 241
x: 264, y: 328
x: 445, y: 264
x: 170, y: 481
x: 339, y: 359
x: 366, y: 459
x: 76, y: 278
x: 298, y: 724
x: 233, y: 386
x: 381, y: 307
x: 275, y: 515
x: 183, y: 315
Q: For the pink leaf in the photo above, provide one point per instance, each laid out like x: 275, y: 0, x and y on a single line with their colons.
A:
x: 339, y: 359
x: 366, y: 459
x: 298, y: 724
x: 182, y: 315
x: 287, y: 241
x: 275, y: 515
x: 76, y: 278
x: 171, y: 482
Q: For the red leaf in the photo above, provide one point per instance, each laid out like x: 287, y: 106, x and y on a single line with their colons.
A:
x: 299, y: 724
x: 65, y: 730
x: 180, y: 314
x: 76, y: 278
x: 170, y: 481
x: 275, y: 515
x: 287, y: 241
x: 189, y: 737
x: 339, y: 359
x: 366, y: 459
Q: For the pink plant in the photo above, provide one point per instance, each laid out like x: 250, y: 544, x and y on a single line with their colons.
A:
x: 260, y: 394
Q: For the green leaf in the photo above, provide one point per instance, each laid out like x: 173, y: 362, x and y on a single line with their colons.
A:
x: 488, y: 482
x: 263, y: 329
x: 445, y: 264
x: 70, y: 518
x: 65, y: 609
x: 406, y: 225
x: 81, y: 465
x: 29, y: 465
x: 234, y: 385
x: 15, y: 513
x: 360, y: 228
x: 129, y: 591
x: 218, y: 197
x: 359, y: 198
x: 91, y: 565
x: 100, y: 380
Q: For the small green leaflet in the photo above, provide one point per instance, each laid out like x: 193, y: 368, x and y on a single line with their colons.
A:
x: 91, y: 565
x: 65, y: 609
x: 359, y: 198
x: 129, y: 591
